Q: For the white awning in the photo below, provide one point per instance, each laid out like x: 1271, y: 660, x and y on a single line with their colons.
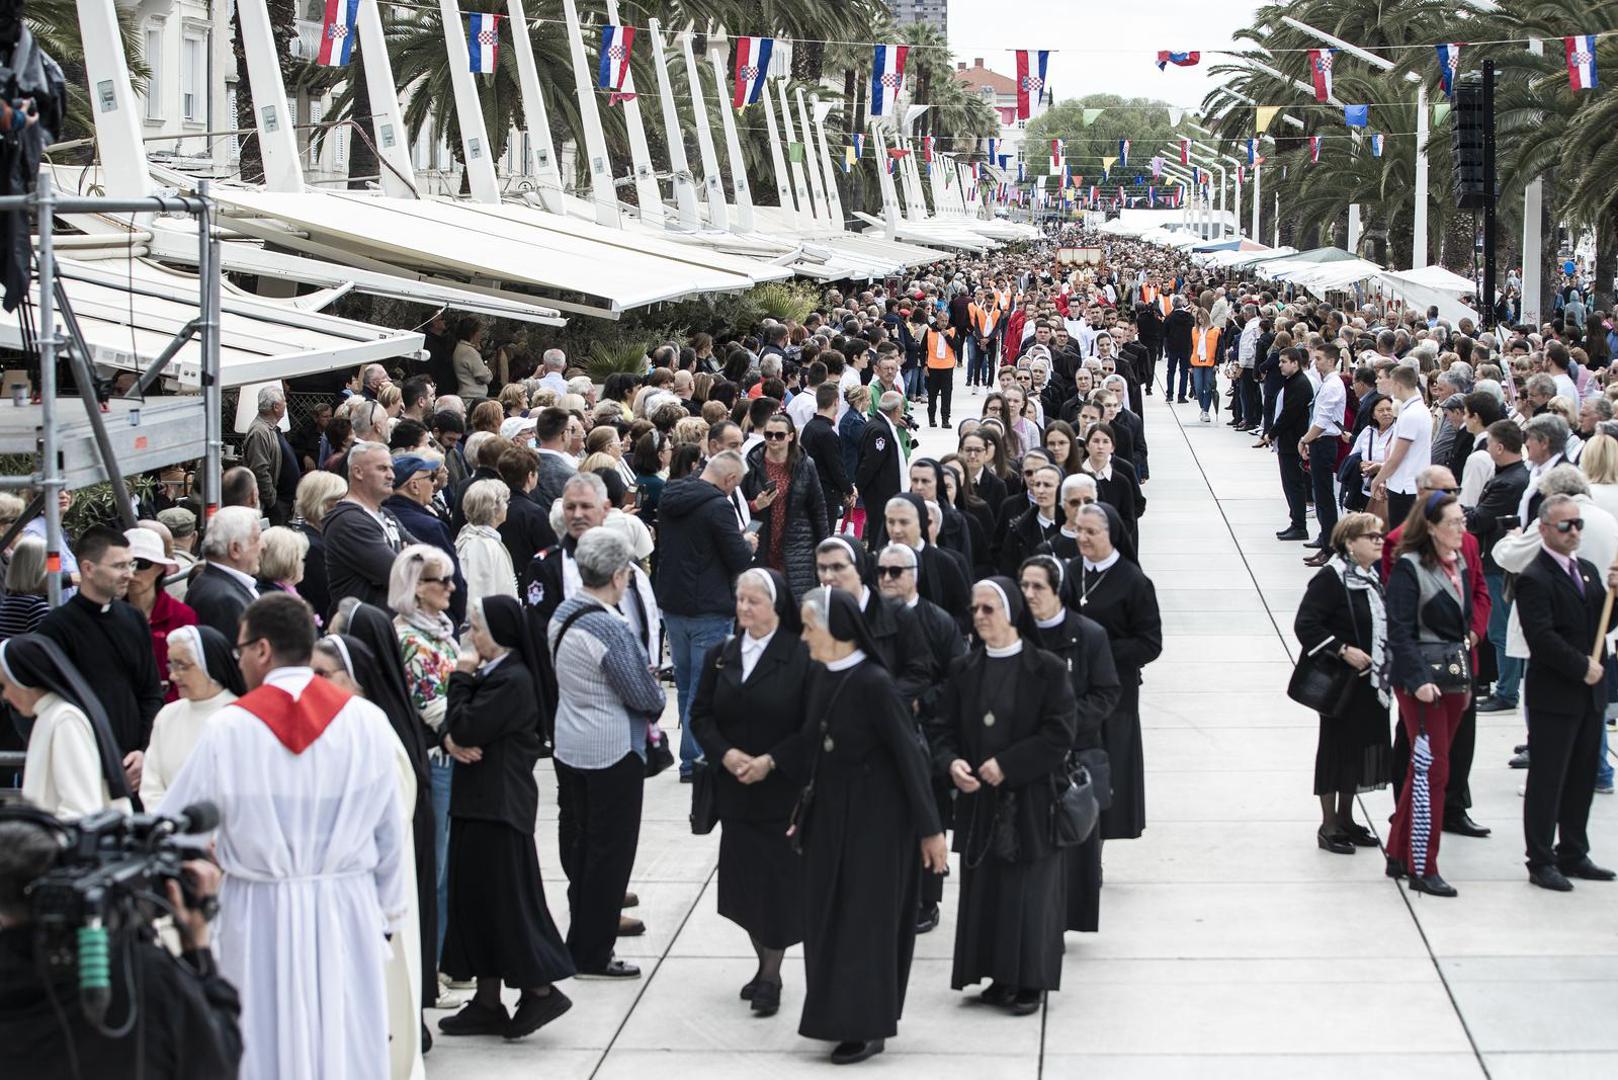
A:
x: 129, y: 310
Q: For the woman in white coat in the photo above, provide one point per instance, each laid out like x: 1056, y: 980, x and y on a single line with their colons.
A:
x: 73, y: 767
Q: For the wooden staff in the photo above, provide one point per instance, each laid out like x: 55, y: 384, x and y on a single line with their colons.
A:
x: 1606, y: 621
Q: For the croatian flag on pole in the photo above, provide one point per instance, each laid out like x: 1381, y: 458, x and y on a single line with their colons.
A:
x: 1022, y: 173
x: 1196, y: 175
x: 1178, y: 59
x: 1449, y: 62
x: 1320, y: 70
x: 1185, y: 151
x: 613, y: 66
x: 1252, y: 151
x: 337, y: 33
x: 1581, y: 61
x: 483, y: 42
x: 859, y: 146
x: 887, y: 77
x: 1057, y: 154
x: 1314, y: 148
x: 1030, y: 80
x: 752, y: 67
x: 1376, y: 145
x: 1123, y: 152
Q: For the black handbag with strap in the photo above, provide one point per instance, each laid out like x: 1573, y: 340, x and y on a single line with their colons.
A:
x: 704, y: 797
x: 1074, y: 810
x: 1322, y: 681
x: 1447, y: 664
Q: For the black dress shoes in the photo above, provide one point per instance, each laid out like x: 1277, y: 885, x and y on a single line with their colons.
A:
x: 1463, y: 825
x: 1549, y: 877
x: 1519, y: 761
x: 1396, y: 868
x: 1292, y: 534
x: 1334, y: 841
x: 1319, y: 558
x: 1494, y: 704
x: 927, y: 919
x: 615, y: 969
x: 1027, y: 1002
x: 1432, y: 885
x: 850, y: 1053
x: 998, y: 994
x: 1586, y: 870
x: 534, y: 1011
x: 1359, y: 835
x: 767, y: 998
x: 749, y: 988
x: 474, y: 1019
x: 1317, y: 543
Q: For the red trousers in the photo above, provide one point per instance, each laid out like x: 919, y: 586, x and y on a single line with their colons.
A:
x: 1415, y: 829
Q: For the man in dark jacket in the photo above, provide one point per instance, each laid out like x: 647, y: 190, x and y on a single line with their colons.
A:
x: 221, y: 590
x: 412, y: 492
x: 701, y: 549
x: 1291, y: 422
x: 1177, y: 345
x: 820, y: 441
x: 527, y: 529
x: 1559, y: 598
x: 1150, y: 329
x: 883, y: 471
x: 1493, y: 517
x: 361, y: 537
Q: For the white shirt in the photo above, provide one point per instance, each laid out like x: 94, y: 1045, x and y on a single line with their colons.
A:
x: 1476, y: 474
x: 1247, y: 344
x: 801, y: 409
x: 1414, y: 424
x: 1331, y: 401
x: 1534, y: 473
x: 1104, y: 564
x: 904, y: 467
x: 752, y: 649
x: 247, y: 581
x: 1566, y: 387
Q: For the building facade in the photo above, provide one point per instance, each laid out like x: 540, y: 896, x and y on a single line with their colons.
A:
x: 934, y: 13
x: 999, y: 92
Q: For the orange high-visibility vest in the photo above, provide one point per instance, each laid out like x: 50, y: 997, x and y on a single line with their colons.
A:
x: 1002, y: 299
x: 1205, y: 346
x: 984, y: 319
x: 1165, y: 305
x: 1148, y: 293
x: 940, y: 355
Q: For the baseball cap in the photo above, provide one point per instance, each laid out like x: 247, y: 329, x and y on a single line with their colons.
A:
x: 408, y: 466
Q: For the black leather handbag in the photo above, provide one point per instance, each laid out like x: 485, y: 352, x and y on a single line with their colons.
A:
x: 1447, y: 664
x: 1074, y: 810
x: 1323, y: 682
x: 1099, y: 766
x: 704, y: 797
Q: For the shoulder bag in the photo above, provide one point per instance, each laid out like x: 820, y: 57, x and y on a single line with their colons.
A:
x: 704, y: 797
x: 1447, y: 665
x: 1323, y: 682
x: 1074, y: 810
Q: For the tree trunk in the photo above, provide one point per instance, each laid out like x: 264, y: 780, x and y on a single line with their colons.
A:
x: 362, y: 160
x: 1606, y: 264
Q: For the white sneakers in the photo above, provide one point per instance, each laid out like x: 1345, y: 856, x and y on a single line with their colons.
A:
x: 1205, y: 418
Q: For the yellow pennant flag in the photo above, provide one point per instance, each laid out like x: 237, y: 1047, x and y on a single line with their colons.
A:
x: 1440, y: 110
x: 1266, y: 113
x: 1106, y: 163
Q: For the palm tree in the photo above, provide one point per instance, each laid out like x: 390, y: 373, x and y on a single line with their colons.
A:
x: 55, y: 26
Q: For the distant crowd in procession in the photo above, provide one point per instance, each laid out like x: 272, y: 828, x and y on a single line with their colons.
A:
x: 878, y: 658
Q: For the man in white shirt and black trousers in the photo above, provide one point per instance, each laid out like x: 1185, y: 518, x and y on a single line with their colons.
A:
x: 1319, y: 446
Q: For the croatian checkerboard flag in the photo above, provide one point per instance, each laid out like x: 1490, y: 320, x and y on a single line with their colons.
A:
x: 612, y: 68
x: 1449, y: 62
x: 887, y: 77
x: 1581, y: 61
x: 1314, y: 148
x: 1185, y: 151
x: 1123, y: 152
x: 483, y: 41
x: 337, y: 33
x: 1178, y: 59
x: 1030, y: 80
x: 752, y: 67
x: 1376, y: 145
x: 1058, y: 153
x: 1320, y: 71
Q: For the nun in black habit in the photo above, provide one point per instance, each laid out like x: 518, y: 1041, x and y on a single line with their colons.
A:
x: 51, y: 776
x: 749, y: 699
x: 387, y: 690
x: 1103, y: 585
x: 500, y: 928
x: 867, y: 827
x: 896, y: 633
x: 1003, y: 735
x: 927, y: 482
x: 1081, y: 644
x: 939, y: 577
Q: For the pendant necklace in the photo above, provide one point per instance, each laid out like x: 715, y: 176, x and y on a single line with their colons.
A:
x: 1086, y: 587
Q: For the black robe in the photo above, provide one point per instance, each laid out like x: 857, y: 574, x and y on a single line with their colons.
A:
x: 760, y: 876
x: 1081, y: 644
x: 1018, y: 710
x: 1124, y: 602
x: 872, y: 804
x: 111, y: 645
x: 900, y: 644
x: 941, y: 580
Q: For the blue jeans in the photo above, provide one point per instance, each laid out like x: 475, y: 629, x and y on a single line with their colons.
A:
x: 915, y: 382
x: 1505, y: 687
x: 690, y: 638
x: 1183, y: 363
x: 1202, y: 381
x: 442, y: 775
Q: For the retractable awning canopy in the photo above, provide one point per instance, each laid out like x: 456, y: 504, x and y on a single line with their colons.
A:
x: 129, y: 310
x: 482, y: 250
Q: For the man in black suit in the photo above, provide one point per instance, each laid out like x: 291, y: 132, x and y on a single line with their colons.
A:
x: 1366, y: 394
x: 821, y: 442
x: 1177, y: 344
x: 1494, y: 516
x: 882, y: 469
x: 1559, y: 598
x: 1291, y: 422
x: 225, y: 585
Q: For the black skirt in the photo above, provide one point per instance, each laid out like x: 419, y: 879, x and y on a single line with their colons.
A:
x: 499, y: 925
x: 1009, y: 928
x: 1354, y: 752
x: 761, y: 881
x: 1082, y: 865
x: 1125, y: 819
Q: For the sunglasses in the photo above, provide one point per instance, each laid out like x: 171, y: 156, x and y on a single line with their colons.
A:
x: 894, y: 571
x: 143, y: 565
x: 777, y: 436
x: 984, y: 609
x: 1569, y: 525
x: 425, y: 580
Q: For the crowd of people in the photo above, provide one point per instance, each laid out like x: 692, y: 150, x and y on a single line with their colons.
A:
x: 878, y: 657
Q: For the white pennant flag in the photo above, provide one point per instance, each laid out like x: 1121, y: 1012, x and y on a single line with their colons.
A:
x: 1175, y: 116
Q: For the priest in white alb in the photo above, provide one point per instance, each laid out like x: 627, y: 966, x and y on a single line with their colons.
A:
x: 312, y: 842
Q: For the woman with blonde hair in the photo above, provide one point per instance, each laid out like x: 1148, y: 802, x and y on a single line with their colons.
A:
x: 485, y: 561
x: 317, y: 493
x: 282, y: 562
x: 513, y: 400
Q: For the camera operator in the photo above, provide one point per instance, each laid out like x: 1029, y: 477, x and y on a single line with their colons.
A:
x: 185, y: 1024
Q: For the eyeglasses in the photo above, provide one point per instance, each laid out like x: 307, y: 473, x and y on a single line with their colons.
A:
x: 777, y: 436
x: 894, y: 571
x: 425, y: 580
x: 1378, y: 537
x: 1446, y: 490
x: 240, y: 645
x: 1569, y: 525
x: 984, y: 609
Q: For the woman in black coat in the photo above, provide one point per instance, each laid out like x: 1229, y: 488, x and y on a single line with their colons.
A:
x: 1116, y: 483
x: 1343, y: 613
x: 927, y: 482
x: 1116, y: 593
x: 500, y: 928
x: 867, y: 827
x: 1081, y: 644
x: 897, y: 641
x: 976, y: 513
x: 749, y: 699
x: 783, y: 492
x: 1003, y: 735
x: 1033, y: 531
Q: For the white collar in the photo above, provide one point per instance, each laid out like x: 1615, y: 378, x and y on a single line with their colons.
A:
x: 1105, y: 564
x: 1054, y: 620
x: 1004, y: 651
x: 245, y: 579
x: 1044, y: 522
x: 865, y: 596
x: 753, y: 644
x: 913, y: 601
x: 853, y: 658
x: 1104, y: 474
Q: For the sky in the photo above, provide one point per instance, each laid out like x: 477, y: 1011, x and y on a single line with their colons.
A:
x: 1101, y: 46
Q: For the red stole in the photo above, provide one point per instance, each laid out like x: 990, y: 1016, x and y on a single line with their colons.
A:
x: 296, y: 722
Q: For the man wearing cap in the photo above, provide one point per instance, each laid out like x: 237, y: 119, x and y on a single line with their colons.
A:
x: 413, y: 489
x: 182, y: 526
x: 362, y: 537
